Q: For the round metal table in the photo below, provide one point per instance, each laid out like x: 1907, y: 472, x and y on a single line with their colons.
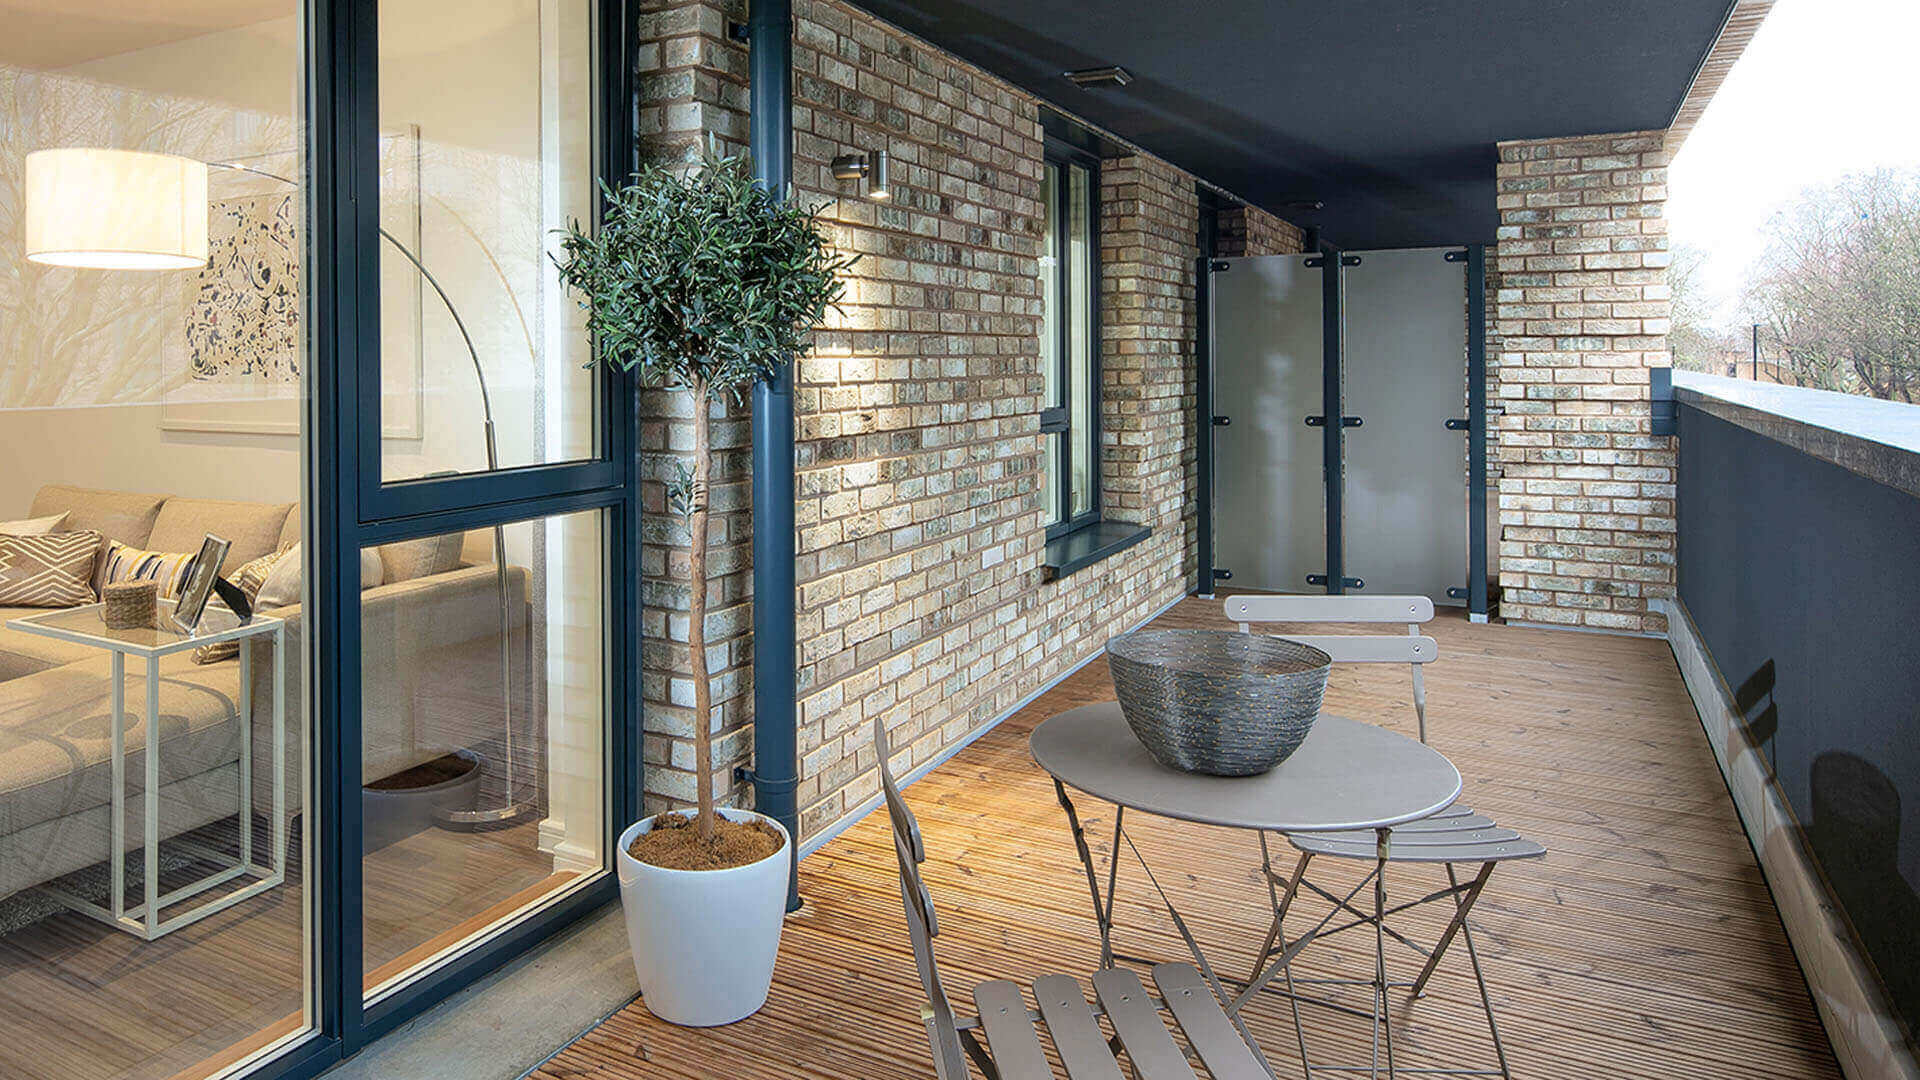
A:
x: 1346, y: 776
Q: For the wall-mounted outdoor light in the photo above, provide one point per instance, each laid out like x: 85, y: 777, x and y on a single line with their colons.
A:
x: 872, y: 167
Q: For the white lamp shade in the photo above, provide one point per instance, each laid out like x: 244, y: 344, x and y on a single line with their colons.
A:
x: 116, y: 209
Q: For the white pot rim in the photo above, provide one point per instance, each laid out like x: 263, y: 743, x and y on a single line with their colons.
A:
x: 732, y: 813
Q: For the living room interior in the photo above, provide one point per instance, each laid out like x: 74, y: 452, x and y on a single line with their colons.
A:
x: 153, y: 291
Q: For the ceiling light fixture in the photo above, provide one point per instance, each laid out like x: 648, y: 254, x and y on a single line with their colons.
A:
x: 872, y: 166
x: 1113, y: 75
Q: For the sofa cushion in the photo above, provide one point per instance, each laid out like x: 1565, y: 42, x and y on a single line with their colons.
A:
x: 406, y: 560
x: 40, y: 526
x: 166, y: 569
x: 117, y: 515
x: 254, y: 528
x: 290, y: 533
x: 51, y: 571
x: 22, y: 653
x: 56, y: 735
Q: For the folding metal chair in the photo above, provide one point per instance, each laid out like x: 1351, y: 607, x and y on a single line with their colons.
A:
x: 1013, y: 1050
x: 1454, y: 836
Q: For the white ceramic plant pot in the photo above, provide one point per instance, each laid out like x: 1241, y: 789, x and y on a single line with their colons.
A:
x: 704, y: 941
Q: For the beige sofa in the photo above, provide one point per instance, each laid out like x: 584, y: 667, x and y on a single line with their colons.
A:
x: 419, y: 636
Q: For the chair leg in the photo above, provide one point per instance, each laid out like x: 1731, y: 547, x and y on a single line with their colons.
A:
x: 1486, y: 1003
x: 1462, y: 904
x: 981, y: 1059
x: 1383, y: 1008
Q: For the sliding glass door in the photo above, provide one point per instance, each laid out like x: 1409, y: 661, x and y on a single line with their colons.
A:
x: 483, y: 707
x: 277, y: 308
x: 158, y: 828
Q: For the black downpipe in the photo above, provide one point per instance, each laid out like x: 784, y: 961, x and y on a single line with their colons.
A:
x: 1332, y: 408
x: 1477, y: 431
x: 775, y: 660
x: 1209, y: 241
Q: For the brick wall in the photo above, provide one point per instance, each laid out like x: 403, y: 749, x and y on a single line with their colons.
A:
x: 692, y: 94
x: 1580, y: 312
x: 1249, y: 230
x: 921, y: 508
x: 919, y: 497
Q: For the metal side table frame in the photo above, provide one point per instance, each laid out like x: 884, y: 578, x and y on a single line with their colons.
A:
x: 85, y: 626
x: 1348, y: 776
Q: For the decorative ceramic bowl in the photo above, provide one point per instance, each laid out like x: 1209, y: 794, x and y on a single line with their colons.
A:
x: 1216, y: 701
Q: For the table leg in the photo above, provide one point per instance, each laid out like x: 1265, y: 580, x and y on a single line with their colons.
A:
x: 117, y: 838
x: 151, y: 826
x: 1102, y: 913
x: 245, y: 702
x: 279, y: 860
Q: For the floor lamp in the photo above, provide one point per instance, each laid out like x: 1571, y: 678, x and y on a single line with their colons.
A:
x: 106, y: 209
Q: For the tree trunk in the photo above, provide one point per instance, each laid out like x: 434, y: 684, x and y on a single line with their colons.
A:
x: 697, y: 613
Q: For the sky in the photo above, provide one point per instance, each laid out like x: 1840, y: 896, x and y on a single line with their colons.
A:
x: 1826, y: 88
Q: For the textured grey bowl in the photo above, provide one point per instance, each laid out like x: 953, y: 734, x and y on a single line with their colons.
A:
x: 1215, y: 701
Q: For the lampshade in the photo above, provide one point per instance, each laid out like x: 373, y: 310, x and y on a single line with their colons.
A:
x: 116, y: 209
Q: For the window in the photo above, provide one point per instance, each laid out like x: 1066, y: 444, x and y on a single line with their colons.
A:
x: 1069, y: 340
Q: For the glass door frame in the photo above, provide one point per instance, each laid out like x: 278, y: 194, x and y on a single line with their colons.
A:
x: 348, y: 507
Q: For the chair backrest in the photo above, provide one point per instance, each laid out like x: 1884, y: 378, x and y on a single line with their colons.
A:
x: 922, y: 926
x: 1412, y: 648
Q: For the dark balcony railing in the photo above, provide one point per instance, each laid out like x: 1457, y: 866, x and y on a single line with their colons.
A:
x: 1799, y: 564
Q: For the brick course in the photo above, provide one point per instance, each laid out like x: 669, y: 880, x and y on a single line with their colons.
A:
x: 1579, y: 313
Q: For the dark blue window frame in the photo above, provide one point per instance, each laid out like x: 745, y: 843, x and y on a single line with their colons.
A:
x: 347, y: 508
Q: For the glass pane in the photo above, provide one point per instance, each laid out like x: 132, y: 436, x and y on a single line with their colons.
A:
x: 1050, y: 481
x: 486, y: 148
x: 482, y: 733
x: 1050, y: 293
x: 153, y: 358
x: 1083, y: 335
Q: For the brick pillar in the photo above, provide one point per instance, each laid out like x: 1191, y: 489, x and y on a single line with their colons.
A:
x: 1580, y: 312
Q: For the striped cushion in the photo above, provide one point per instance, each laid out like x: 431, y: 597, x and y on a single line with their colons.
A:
x: 55, y: 570
x: 167, y: 568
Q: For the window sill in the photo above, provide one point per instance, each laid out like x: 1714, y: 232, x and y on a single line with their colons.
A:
x: 1089, y: 544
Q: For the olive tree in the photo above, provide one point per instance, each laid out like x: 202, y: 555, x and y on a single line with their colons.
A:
x: 700, y: 280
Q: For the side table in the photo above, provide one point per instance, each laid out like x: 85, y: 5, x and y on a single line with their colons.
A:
x: 86, y: 626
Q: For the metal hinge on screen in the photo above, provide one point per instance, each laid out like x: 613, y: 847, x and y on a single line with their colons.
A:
x: 1345, y: 421
x: 1456, y: 592
x: 1345, y: 582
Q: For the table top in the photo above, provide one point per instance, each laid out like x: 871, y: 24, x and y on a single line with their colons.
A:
x: 87, y: 626
x: 1346, y: 775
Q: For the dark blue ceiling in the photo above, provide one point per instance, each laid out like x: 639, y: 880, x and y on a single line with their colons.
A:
x: 1386, y: 111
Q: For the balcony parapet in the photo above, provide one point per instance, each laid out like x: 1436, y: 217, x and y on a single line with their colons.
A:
x: 1879, y: 440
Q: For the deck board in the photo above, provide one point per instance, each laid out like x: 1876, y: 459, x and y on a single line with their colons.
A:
x: 1644, y: 945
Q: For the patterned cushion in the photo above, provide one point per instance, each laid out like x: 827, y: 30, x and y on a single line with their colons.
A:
x: 169, y: 568
x: 248, y: 579
x: 55, y: 570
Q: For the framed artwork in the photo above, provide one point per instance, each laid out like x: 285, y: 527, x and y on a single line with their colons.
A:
x: 192, y: 602
x: 237, y: 363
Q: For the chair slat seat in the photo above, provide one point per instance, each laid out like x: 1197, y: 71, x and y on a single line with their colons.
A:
x: 1136, y: 1020
x: 1457, y: 823
x: 1075, y: 1031
x: 1431, y: 849
x: 1207, y: 1028
x: 1017, y: 1053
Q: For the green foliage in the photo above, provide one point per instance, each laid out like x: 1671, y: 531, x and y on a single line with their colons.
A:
x: 701, y: 281
x: 1837, y: 290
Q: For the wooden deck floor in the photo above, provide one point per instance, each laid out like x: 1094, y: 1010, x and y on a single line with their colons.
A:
x: 1644, y: 945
